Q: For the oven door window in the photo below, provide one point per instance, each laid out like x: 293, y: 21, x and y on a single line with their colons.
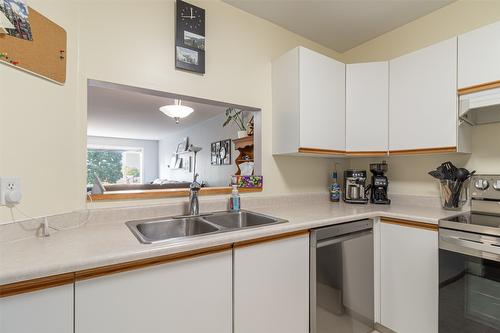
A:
x: 469, y: 294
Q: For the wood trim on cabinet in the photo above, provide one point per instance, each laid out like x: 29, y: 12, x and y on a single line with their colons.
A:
x: 320, y: 151
x: 143, y: 263
x: 271, y: 238
x: 438, y: 150
x: 28, y: 286
x: 479, y: 87
x: 168, y: 193
x: 411, y: 224
x: 366, y: 153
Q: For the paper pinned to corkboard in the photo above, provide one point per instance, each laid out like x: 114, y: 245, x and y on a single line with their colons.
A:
x: 45, y: 55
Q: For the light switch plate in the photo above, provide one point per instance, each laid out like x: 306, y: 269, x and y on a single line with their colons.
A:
x: 10, y: 190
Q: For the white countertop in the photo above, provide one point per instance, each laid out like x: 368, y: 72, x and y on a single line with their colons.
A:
x: 100, y: 244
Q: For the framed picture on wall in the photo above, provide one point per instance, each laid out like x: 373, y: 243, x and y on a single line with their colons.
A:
x: 213, y: 154
x: 225, y: 152
x: 220, y: 152
x: 217, y: 148
x: 190, y: 37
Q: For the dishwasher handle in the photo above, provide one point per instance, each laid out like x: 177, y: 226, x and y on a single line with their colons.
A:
x: 339, y: 239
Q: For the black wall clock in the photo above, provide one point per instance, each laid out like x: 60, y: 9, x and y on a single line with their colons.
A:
x: 190, y: 37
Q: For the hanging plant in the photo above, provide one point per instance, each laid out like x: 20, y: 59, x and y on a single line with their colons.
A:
x: 236, y: 116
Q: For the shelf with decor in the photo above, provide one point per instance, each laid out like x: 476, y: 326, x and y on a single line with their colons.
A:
x: 245, y: 148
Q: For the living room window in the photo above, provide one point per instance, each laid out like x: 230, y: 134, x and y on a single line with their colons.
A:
x: 115, y: 164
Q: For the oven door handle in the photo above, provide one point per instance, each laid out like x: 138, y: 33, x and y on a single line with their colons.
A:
x: 482, y: 245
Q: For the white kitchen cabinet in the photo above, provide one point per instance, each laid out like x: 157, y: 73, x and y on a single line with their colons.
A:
x: 308, y: 103
x: 45, y: 311
x: 271, y: 286
x: 479, y: 56
x: 186, y: 296
x: 423, y: 99
x: 367, y: 107
x: 409, y: 290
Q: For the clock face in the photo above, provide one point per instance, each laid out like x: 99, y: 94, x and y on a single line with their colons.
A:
x: 191, y: 18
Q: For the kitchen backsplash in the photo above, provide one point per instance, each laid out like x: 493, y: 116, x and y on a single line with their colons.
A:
x: 408, y: 174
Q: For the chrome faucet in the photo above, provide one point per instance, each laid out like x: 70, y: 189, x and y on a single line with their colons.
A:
x: 194, y: 205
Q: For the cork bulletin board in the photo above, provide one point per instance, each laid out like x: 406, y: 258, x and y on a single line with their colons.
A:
x: 44, y: 56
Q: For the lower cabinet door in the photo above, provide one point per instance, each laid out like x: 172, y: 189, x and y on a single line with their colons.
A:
x: 187, y: 296
x: 45, y: 311
x: 409, y: 289
x: 271, y: 286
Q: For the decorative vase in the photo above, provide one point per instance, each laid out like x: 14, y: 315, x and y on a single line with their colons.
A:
x: 242, y: 134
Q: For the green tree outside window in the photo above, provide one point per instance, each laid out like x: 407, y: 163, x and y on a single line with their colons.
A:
x: 106, y: 164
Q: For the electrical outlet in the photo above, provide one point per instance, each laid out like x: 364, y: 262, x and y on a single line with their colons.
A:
x: 10, y: 191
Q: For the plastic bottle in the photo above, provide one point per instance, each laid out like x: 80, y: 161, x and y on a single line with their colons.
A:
x: 234, y: 201
x: 335, y: 189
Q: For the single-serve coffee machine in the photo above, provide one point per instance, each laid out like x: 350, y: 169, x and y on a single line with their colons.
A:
x: 355, y: 186
x: 379, y: 184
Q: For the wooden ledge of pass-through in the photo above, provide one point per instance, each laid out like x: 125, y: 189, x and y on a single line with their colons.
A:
x: 411, y: 224
x: 166, y: 193
x: 479, y: 87
x: 27, y: 286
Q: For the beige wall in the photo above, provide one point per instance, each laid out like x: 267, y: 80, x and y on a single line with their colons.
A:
x: 38, y: 127
x: 447, y: 22
x: 132, y: 42
x: 42, y: 125
x: 408, y: 175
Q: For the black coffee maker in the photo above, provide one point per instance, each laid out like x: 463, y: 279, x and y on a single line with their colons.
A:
x: 379, y: 184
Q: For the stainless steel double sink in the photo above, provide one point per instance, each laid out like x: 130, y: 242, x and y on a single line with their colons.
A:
x: 181, y: 227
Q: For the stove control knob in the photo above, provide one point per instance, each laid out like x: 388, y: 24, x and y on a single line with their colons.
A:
x: 481, y: 184
x: 496, y: 185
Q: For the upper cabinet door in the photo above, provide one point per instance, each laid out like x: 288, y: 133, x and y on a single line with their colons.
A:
x: 308, y: 103
x: 367, y: 107
x: 322, y: 101
x: 479, y: 56
x: 423, y: 99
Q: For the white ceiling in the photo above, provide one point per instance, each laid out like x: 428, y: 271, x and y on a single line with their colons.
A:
x: 135, y: 115
x: 339, y: 24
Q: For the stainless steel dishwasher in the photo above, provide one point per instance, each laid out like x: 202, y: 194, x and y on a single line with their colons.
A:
x: 341, y: 278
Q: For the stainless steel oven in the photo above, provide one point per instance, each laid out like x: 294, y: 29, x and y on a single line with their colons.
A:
x: 469, y: 263
x: 469, y: 282
x: 341, y: 277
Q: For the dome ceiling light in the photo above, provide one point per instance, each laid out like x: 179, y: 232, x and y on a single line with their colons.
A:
x: 177, y: 110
